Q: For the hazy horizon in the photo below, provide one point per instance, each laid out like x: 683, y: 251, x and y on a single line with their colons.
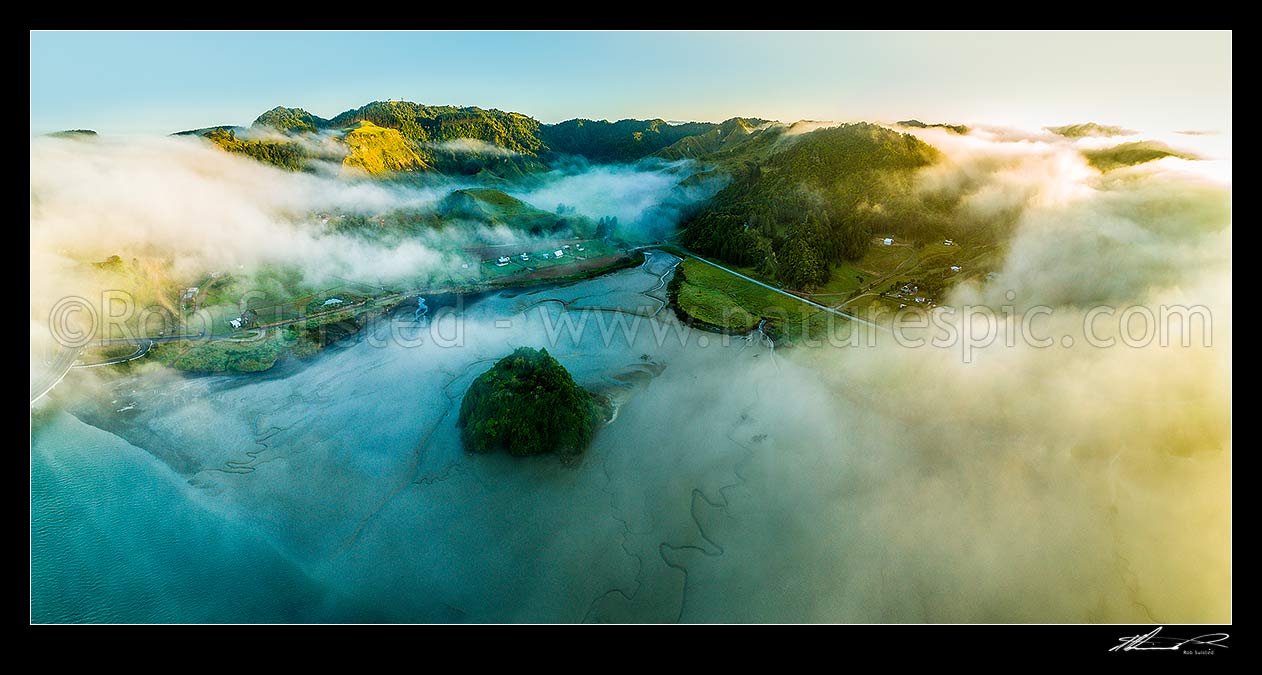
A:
x: 150, y: 82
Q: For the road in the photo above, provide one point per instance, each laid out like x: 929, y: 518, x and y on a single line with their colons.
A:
x: 234, y: 334
x: 64, y: 362
x: 799, y: 298
x: 57, y: 370
x: 139, y: 353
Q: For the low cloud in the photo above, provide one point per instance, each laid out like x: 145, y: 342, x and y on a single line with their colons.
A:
x: 472, y: 146
x: 1028, y: 484
x: 645, y: 197
x: 1077, y: 484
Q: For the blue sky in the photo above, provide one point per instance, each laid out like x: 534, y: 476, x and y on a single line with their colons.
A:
x: 159, y: 82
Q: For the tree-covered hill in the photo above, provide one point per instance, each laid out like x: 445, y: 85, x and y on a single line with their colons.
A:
x: 379, y: 151
x: 287, y: 120
x: 74, y: 133
x: 1089, y: 129
x: 446, y: 139
x: 285, y: 155
x: 528, y: 404
x: 424, y: 124
x: 725, y: 136
x: 621, y: 141
x: 1130, y: 154
x: 494, y: 207
x: 469, y: 140
x: 236, y: 129
x: 917, y: 124
x: 816, y: 202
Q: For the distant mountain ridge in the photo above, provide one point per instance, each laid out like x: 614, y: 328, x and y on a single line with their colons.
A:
x: 917, y: 124
x: 799, y: 198
x: 459, y: 140
x: 622, y: 141
x: 1090, y: 129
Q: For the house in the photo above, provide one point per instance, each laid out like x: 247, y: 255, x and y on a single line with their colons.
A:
x: 920, y: 300
x: 579, y: 247
x: 247, y: 318
x: 566, y: 246
x: 503, y: 260
x: 545, y: 256
x: 558, y: 253
x: 188, y: 294
x: 955, y: 268
x: 888, y: 241
x: 949, y: 242
x: 524, y: 257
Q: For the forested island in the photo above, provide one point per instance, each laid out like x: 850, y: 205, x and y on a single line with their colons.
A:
x: 528, y: 404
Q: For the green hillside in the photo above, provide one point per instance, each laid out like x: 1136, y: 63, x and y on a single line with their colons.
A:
x: 283, y: 154
x: 206, y: 130
x: 917, y: 124
x: 726, y: 136
x: 747, y: 143
x: 287, y: 120
x: 1089, y: 129
x: 495, y: 207
x: 74, y: 133
x: 814, y: 203
x: 379, y: 151
x: 621, y: 141
x: 423, y: 124
x: 1130, y: 154
x: 467, y: 141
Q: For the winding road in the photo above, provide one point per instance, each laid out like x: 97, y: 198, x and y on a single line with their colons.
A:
x: 57, y: 370
x: 799, y: 298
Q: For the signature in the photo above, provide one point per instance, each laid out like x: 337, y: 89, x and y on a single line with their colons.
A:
x: 1153, y: 642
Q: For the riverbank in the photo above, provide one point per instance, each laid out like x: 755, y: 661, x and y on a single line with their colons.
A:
x: 303, y: 339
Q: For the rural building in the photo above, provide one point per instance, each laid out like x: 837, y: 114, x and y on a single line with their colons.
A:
x: 558, y: 253
x: 888, y: 241
x: 333, y: 301
x: 502, y: 261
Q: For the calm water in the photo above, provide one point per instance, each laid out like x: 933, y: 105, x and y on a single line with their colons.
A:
x: 116, y: 536
x: 734, y: 486
x: 338, y: 491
